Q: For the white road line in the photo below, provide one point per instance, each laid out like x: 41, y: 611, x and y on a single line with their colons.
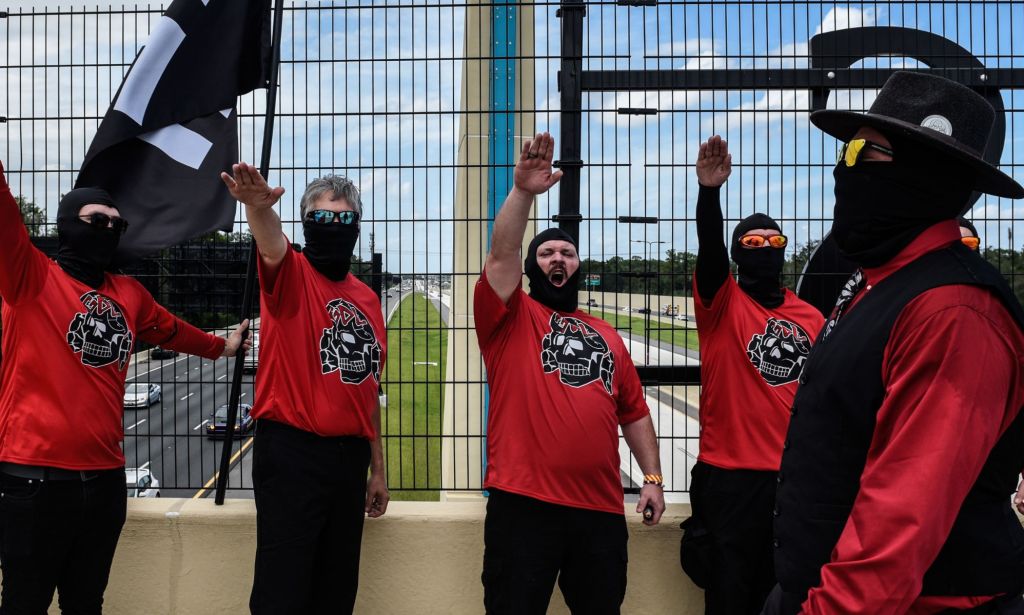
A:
x: 135, y: 425
x: 144, y: 466
x: 200, y: 425
x: 186, y: 397
x: 223, y: 377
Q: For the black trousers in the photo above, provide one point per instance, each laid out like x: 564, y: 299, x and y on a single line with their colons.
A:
x: 310, y: 505
x: 529, y: 543
x: 59, y: 535
x: 736, y: 507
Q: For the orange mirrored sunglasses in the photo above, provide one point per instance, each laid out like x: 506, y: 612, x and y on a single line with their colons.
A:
x: 971, y: 242
x: 760, y: 241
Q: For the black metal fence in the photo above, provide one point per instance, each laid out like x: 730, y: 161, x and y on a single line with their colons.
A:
x: 425, y: 104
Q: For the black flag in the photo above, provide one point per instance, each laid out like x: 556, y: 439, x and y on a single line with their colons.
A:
x: 172, y: 128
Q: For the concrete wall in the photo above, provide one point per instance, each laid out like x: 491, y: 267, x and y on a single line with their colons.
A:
x: 191, y: 557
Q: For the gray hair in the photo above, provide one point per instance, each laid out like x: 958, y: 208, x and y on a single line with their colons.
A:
x: 339, y: 188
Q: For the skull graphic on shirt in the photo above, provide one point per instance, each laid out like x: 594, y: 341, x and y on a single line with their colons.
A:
x: 101, y: 333
x: 349, y: 346
x: 577, y: 352
x: 780, y: 352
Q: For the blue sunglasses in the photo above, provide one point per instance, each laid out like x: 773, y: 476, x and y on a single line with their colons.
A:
x: 326, y: 216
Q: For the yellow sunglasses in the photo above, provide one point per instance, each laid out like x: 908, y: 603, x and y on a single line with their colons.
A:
x: 850, y: 152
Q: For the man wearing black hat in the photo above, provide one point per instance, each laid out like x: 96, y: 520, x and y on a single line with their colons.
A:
x: 70, y: 328
x: 906, y: 435
x: 755, y: 337
x: 561, y: 384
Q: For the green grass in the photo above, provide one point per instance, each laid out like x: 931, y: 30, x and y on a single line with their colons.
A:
x: 411, y: 422
x: 660, y: 331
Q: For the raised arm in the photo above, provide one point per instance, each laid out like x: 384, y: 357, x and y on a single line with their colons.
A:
x: 532, y: 176
x: 249, y: 188
x: 714, y: 165
x: 22, y: 266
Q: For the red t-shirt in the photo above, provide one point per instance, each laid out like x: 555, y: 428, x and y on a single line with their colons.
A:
x: 560, y: 386
x: 751, y: 357
x: 66, y: 350
x: 322, y: 348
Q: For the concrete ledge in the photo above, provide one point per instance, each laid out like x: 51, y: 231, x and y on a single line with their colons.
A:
x: 192, y: 557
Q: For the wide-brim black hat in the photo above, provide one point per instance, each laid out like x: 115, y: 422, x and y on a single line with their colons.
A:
x: 949, y: 118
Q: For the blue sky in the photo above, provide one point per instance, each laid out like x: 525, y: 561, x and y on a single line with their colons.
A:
x: 396, y: 74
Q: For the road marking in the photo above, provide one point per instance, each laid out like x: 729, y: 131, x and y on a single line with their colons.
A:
x: 213, y: 479
x: 156, y: 368
x: 200, y: 424
x: 186, y: 397
x: 431, y: 363
x: 135, y: 425
x: 144, y: 466
x: 223, y: 377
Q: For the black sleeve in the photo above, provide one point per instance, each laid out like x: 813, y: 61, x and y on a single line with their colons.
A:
x: 712, y: 255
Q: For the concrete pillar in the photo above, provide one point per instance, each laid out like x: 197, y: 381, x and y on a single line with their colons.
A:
x: 463, y: 428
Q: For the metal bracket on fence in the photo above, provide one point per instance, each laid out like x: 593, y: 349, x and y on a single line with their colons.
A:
x: 669, y: 375
x: 637, y: 111
x: 637, y: 2
x: 3, y: 14
x: 571, y: 7
x: 638, y: 219
x: 567, y: 164
x: 577, y: 218
x: 3, y: 119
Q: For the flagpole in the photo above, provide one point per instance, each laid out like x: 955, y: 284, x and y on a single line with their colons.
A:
x: 250, y: 272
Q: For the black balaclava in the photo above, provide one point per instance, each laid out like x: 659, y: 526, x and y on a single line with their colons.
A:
x: 964, y: 222
x: 329, y: 247
x: 83, y: 251
x: 563, y: 299
x: 882, y: 206
x: 759, y: 268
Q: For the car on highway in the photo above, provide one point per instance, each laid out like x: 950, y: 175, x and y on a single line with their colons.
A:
x: 219, y: 422
x: 141, y: 483
x: 142, y: 395
x: 252, y: 358
x: 160, y: 354
x: 644, y: 311
x: 591, y: 302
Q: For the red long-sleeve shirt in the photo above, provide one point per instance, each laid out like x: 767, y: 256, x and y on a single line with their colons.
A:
x: 66, y: 350
x: 953, y: 371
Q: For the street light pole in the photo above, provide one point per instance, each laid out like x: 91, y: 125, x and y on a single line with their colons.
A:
x: 647, y: 295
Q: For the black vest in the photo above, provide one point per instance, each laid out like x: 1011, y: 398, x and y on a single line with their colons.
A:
x: 830, y: 431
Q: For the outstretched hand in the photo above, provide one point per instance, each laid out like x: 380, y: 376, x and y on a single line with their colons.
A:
x: 248, y: 187
x: 714, y: 162
x: 533, y: 171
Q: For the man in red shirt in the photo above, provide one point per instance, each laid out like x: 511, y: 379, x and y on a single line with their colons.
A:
x: 906, y: 435
x: 322, y: 349
x: 755, y: 337
x: 69, y: 332
x: 561, y: 385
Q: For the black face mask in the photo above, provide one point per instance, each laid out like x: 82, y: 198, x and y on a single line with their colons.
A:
x: 329, y: 247
x: 84, y: 251
x: 882, y: 206
x: 564, y: 298
x: 759, y: 269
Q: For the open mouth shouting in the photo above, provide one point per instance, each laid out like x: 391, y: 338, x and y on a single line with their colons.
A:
x: 557, y: 276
